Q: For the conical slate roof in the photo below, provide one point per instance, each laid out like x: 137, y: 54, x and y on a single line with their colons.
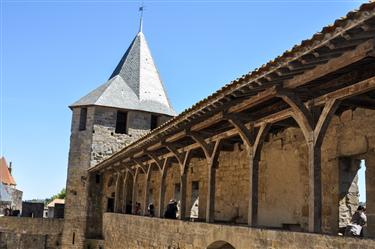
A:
x: 135, y: 83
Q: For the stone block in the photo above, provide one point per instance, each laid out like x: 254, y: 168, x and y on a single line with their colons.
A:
x: 351, y: 144
x: 346, y: 116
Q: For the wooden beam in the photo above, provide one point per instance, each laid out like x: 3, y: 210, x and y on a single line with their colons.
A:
x: 247, y: 135
x: 207, y: 123
x: 346, y: 59
x: 176, y: 153
x: 352, y: 56
x: 254, y: 158
x: 325, y: 117
x: 141, y: 165
x: 158, y: 162
x: 206, y: 147
x: 344, y: 93
x: 302, y: 115
x: 259, y: 98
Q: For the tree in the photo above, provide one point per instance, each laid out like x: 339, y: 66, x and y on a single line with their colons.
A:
x: 60, y: 195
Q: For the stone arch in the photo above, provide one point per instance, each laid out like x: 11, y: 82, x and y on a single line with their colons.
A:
x: 220, y: 244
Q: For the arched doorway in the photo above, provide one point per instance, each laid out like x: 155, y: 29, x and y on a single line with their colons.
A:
x: 220, y: 245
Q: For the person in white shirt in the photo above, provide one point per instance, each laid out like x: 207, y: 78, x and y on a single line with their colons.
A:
x: 194, y: 210
x: 359, y: 219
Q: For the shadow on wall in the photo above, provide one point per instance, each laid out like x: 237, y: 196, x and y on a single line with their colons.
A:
x: 220, y: 245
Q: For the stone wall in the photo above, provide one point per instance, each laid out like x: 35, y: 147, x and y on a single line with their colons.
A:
x: 135, y: 232
x: 283, y: 178
x: 16, y: 198
x: 350, y: 135
x: 232, y: 186
x: 172, y: 179
x: 77, y: 186
x: 283, y: 181
x: 106, y: 141
x: 349, y: 191
x: 30, y: 233
x: 154, y: 187
x: 88, y: 147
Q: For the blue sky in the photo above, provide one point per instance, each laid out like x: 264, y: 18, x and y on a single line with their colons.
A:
x: 54, y: 52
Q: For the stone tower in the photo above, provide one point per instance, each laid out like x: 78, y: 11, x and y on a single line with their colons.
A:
x: 132, y: 102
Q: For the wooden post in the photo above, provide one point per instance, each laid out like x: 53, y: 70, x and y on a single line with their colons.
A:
x: 124, y: 192
x: 210, y: 151
x: 313, y: 132
x: 183, y: 159
x: 254, y: 157
x: 253, y: 140
x: 161, y: 194
x: 315, y: 188
x: 162, y: 187
x: 252, y: 217
x: 134, y: 194
x: 183, y: 186
x: 117, y: 193
x: 210, y: 208
x: 147, y: 183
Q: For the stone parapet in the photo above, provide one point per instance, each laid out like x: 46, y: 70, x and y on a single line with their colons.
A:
x: 30, y: 233
x: 127, y: 231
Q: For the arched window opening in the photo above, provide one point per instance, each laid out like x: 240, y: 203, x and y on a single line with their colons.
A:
x: 220, y: 245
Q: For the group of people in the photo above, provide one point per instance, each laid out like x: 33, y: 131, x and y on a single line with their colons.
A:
x: 8, y: 211
x: 172, y: 210
x: 358, y: 221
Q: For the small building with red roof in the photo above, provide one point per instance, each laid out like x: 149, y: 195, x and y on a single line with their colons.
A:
x: 10, y: 197
x: 6, y: 173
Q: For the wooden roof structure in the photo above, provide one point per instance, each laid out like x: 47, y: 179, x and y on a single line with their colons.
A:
x: 337, y: 62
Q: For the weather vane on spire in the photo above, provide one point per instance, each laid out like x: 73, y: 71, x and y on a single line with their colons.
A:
x: 141, y: 9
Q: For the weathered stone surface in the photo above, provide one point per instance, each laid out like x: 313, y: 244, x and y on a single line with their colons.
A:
x: 30, y: 233
x: 351, y: 144
x: 283, y: 178
x: 98, y: 141
x: 126, y: 231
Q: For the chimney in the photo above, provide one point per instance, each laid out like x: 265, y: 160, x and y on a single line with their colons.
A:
x: 10, y: 168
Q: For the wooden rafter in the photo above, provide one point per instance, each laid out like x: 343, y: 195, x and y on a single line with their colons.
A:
x: 340, y: 94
